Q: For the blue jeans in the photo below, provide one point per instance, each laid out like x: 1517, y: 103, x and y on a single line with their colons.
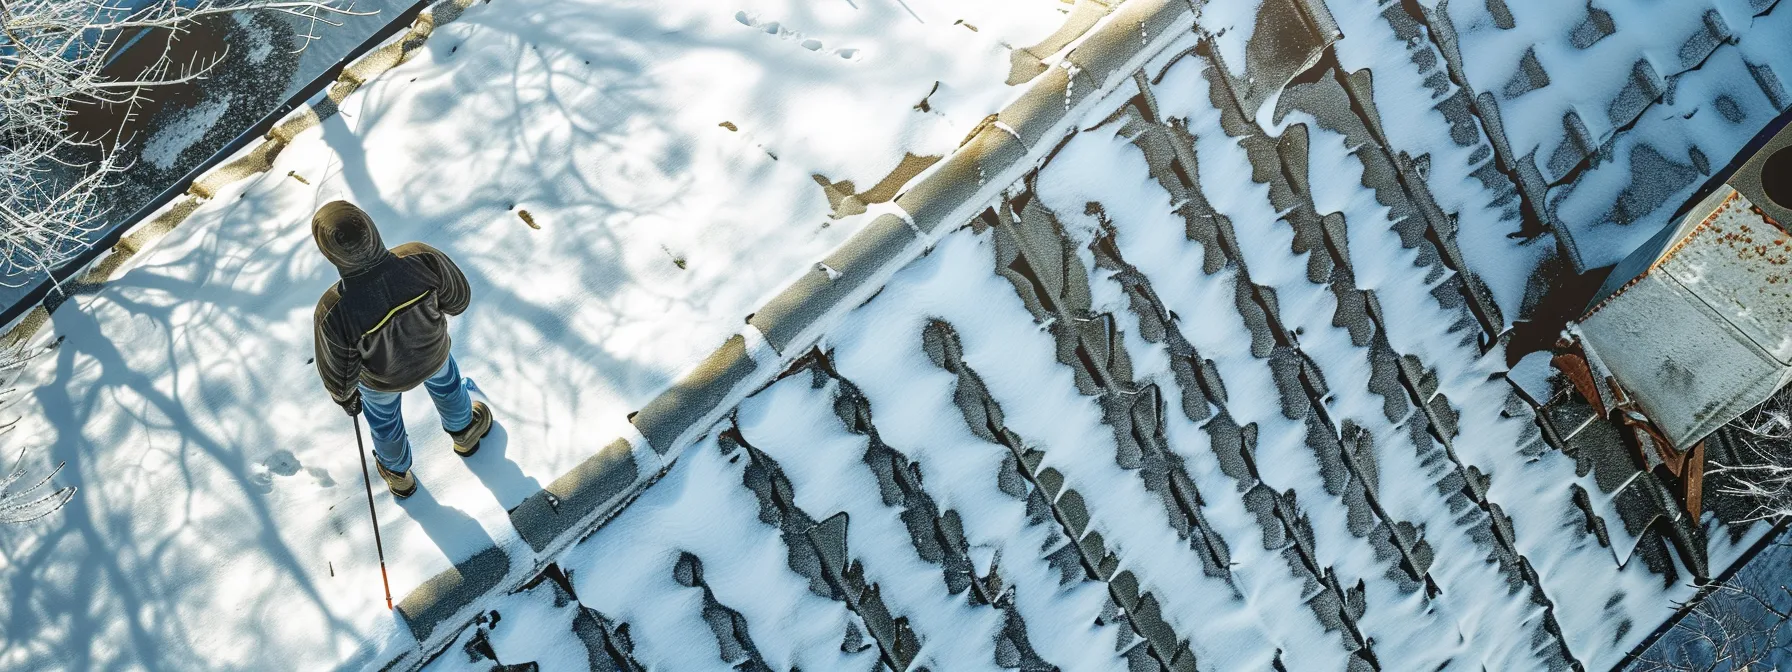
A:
x: 385, y: 419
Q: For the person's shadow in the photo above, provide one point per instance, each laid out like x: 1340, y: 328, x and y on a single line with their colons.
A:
x: 498, y: 472
x: 456, y: 533
x: 494, y: 468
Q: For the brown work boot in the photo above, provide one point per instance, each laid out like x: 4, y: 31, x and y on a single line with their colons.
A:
x: 466, y: 441
x: 401, y: 485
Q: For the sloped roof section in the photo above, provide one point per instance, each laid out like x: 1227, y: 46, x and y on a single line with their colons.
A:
x: 1188, y: 355
x: 1210, y: 384
x: 623, y: 181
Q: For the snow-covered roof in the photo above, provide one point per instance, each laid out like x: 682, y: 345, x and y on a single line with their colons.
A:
x: 1613, y: 113
x: 1696, y: 324
x: 1161, y: 366
x: 1178, y: 397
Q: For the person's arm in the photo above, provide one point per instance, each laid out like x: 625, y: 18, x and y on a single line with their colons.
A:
x: 338, y: 363
x: 452, y: 291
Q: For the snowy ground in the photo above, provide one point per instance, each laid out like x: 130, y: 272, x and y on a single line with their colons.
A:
x: 666, y: 151
x: 1205, y: 324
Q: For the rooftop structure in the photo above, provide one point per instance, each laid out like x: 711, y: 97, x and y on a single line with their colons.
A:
x: 1695, y: 327
x: 1698, y: 326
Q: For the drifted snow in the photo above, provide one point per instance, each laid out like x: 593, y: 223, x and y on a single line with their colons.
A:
x: 219, y: 505
x: 1604, y: 601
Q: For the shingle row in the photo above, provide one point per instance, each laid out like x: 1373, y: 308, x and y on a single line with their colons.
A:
x: 819, y: 552
x: 1084, y: 554
x: 1280, y: 333
x: 1350, y: 460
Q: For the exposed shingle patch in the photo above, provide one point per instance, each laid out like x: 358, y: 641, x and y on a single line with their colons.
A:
x: 1085, y: 549
x: 818, y: 551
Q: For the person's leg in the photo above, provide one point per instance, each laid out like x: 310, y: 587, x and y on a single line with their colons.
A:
x: 449, y: 391
x: 385, y: 421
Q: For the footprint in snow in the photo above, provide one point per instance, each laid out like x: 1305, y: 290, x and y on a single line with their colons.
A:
x: 777, y: 29
x: 323, y: 477
x: 261, y: 479
x: 284, y: 463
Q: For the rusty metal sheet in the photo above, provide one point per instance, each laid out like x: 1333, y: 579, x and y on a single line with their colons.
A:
x: 1687, y: 367
x: 1740, y: 266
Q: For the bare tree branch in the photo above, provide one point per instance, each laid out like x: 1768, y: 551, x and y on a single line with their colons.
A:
x: 1762, y: 473
x: 52, y: 59
x: 1741, y: 624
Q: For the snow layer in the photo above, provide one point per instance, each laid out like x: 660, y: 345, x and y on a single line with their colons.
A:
x: 1411, y: 103
x: 1485, y: 613
x: 794, y: 423
x: 1633, y: 187
x: 665, y: 150
x: 626, y: 573
x: 911, y: 399
x: 1624, y: 107
x: 669, y: 153
x: 1150, y: 237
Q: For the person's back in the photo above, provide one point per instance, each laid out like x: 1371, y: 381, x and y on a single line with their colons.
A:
x: 383, y: 330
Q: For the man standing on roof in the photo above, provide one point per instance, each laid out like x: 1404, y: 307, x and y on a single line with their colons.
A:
x: 383, y: 330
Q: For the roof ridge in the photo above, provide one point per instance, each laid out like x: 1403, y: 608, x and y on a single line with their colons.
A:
x: 1665, y: 256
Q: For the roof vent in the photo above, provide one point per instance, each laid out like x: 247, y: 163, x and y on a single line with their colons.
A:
x: 1765, y: 177
x: 1776, y: 178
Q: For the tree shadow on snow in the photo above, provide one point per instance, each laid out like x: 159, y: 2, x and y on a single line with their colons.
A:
x: 233, y: 291
x: 94, y: 571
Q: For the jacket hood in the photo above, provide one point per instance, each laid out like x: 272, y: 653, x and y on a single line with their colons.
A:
x: 347, y: 237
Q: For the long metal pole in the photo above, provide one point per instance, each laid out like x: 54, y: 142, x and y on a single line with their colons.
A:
x: 368, y: 480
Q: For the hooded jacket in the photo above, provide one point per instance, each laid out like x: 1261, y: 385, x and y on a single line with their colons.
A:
x: 386, y: 323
